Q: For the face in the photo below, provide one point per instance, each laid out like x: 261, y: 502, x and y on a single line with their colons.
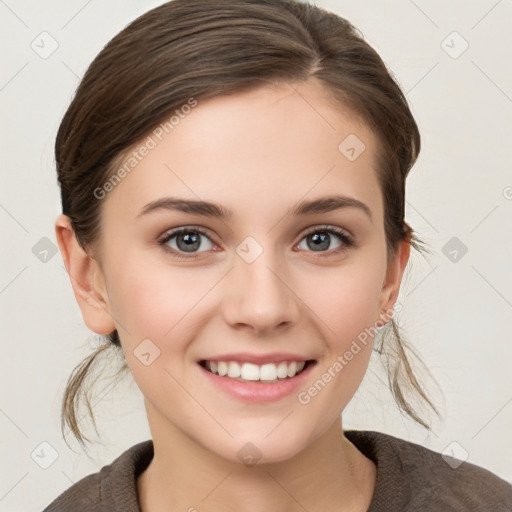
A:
x: 262, y: 281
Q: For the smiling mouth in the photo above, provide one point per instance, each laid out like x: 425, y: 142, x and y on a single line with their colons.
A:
x: 249, y: 372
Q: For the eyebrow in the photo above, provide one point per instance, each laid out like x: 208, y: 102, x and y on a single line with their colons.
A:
x: 208, y: 209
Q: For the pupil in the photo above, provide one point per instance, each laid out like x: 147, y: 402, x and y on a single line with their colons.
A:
x: 190, y: 240
x: 320, y: 240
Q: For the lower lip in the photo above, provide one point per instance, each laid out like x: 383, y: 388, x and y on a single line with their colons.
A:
x: 259, y: 392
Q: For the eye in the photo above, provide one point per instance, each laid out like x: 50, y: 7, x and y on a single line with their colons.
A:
x: 188, y: 240
x: 320, y: 237
x: 184, y: 242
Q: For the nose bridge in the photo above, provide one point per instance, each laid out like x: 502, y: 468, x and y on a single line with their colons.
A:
x: 259, y: 295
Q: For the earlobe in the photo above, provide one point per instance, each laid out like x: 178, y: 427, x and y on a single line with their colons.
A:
x: 86, y: 279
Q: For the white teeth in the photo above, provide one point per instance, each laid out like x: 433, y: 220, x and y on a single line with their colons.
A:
x: 233, y: 369
x: 222, y: 368
x: 292, y: 369
x: 250, y: 371
x: 268, y: 371
x: 282, y: 370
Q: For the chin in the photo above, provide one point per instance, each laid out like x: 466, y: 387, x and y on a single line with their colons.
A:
x: 257, y: 450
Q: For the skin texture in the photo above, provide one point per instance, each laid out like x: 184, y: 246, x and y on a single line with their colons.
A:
x: 258, y: 153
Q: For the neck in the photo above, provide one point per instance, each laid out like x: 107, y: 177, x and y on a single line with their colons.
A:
x: 331, y: 474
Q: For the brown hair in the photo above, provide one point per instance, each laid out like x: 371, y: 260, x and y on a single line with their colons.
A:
x: 188, y: 49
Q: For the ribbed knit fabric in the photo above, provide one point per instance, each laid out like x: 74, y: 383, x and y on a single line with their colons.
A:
x: 410, y: 478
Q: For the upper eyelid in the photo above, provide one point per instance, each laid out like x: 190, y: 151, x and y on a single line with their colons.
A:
x: 172, y: 232
x: 327, y: 227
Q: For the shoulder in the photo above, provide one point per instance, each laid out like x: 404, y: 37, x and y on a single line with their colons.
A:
x: 110, y: 489
x: 427, y: 480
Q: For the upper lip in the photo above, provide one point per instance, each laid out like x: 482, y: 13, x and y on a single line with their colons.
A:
x: 258, y: 359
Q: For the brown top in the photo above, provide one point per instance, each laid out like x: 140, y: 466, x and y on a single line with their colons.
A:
x: 410, y: 478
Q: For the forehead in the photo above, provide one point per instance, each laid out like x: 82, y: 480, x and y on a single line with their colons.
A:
x: 270, y: 146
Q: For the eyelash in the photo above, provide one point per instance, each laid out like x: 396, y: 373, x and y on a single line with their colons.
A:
x: 347, y: 241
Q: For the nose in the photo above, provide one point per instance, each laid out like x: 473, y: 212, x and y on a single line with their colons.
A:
x: 259, y: 295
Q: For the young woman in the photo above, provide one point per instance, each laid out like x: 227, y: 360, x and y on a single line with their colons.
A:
x: 233, y: 189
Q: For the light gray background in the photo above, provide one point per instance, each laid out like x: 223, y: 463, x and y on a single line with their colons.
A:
x: 456, y: 313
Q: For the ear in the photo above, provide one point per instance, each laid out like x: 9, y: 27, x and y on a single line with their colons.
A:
x: 393, y: 280
x: 86, y: 279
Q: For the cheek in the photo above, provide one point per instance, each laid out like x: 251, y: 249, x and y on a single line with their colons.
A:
x: 158, y: 304
x: 152, y: 300
x: 345, y: 300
